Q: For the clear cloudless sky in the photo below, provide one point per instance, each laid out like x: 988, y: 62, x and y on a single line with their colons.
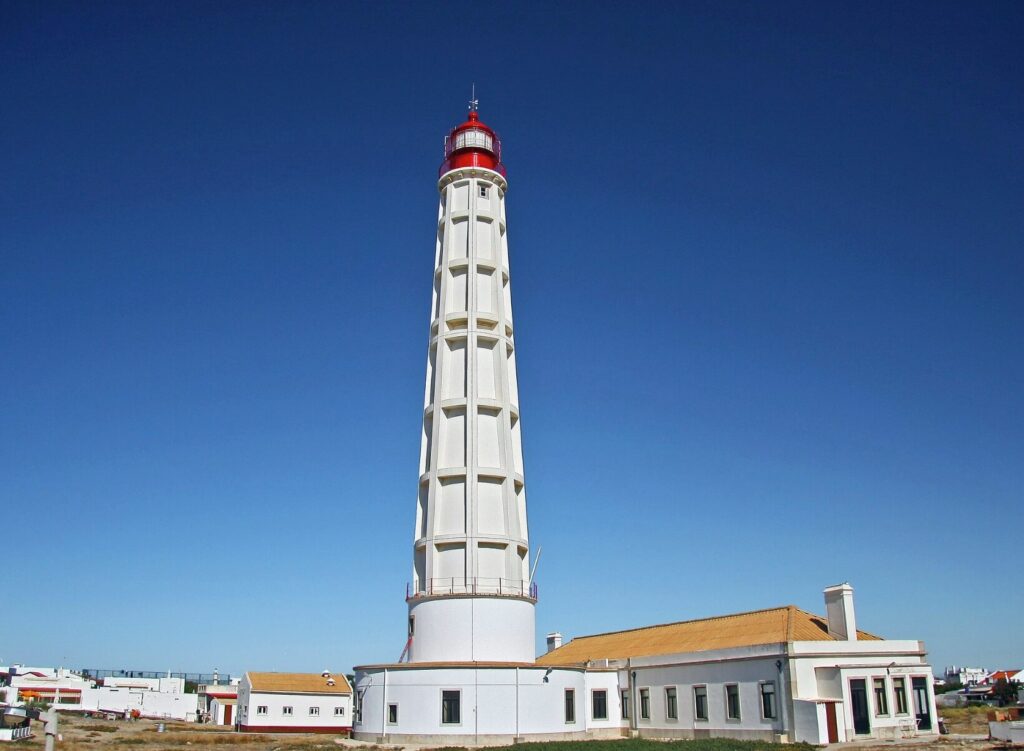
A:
x: 768, y: 283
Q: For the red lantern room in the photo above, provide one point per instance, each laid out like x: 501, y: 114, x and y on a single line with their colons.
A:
x: 472, y: 144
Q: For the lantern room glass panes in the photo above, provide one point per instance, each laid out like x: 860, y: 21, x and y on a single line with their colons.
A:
x: 474, y: 139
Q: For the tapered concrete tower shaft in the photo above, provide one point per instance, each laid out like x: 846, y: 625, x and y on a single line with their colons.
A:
x: 471, y: 597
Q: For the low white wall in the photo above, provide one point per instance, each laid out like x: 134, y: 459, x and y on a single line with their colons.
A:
x: 1008, y: 732
x: 496, y: 703
x: 748, y: 670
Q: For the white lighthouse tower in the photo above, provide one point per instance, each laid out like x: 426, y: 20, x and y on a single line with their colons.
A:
x: 471, y: 597
x: 467, y: 674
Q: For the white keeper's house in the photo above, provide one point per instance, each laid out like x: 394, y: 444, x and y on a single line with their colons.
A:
x: 294, y: 703
x: 780, y: 674
x: 468, y: 674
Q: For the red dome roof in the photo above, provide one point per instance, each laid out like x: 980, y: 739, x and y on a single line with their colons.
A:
x: 472, y: 144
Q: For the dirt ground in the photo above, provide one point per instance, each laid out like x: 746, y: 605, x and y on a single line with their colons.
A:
x: 87, y: 734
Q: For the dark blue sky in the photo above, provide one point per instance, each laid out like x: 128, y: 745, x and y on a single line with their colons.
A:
x: 766, y: 269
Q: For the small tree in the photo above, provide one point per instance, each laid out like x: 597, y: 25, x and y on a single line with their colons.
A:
x: 1005, y: 692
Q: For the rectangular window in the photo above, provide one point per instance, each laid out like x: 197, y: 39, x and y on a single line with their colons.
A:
x: 392, y: 714
x: 483, y: 191
x: 261, y: 709
x: 451, y: 707
x: 287, y: 711
x: 645, y: 704
x: 339, y: 711
x: 570, y: 705
x: 314, y: 711
x: 625, y: 705
x: 899, y: 690
x: 881, y: 698
x: 700, y: 702
x: 671, y: 708
x: 599, y: 704
x: 768, y: 700
x: 732, y: 701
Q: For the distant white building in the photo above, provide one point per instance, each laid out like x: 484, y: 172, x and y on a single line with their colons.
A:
x: 217, y: 702
x: 294, y: 702
x: 159, y: 698
x: 966, y: 676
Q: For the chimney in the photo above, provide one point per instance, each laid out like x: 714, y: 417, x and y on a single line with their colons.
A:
x: 842, y: 624
x: 554, y: 640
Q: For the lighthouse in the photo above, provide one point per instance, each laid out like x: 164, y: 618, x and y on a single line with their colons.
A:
x: 468, y: 673
x: 471, y: 596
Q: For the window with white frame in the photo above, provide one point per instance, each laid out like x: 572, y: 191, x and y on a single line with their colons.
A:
x: 768, y: 700
x: 625, y: 705
x: 483, y: 191
x: 732, y: 701
x: 339, y: 711
x: 261, y: 709
x: 392, y: 714
x: 287, y: 711
x: 451, y: 707
x: 314, y: 711
x: 671, y: 705
x: 700, y: 702
x: 881, y: 697
x: 899, y: 692
x: 645, y: 704
x: 599, y: 704
x: 570, y: 705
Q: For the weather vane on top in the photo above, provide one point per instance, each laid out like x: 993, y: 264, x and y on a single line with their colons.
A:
x: 474, y: 103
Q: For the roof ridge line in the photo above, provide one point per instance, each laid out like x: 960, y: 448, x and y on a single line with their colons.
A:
x: 680, y: 623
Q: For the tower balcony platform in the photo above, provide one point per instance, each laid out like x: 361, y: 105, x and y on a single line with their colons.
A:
x: 474, y: 586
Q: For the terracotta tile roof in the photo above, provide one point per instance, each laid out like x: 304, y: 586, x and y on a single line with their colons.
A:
x: 770, y: 626
x: 1002, y: 675
x: 298, y: 683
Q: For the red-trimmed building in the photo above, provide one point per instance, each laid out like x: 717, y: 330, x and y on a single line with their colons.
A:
x: 294, y: 703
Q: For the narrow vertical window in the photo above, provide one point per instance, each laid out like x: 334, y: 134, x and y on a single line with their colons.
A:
x: 899, y: 690
x: 881, y: 699
x: 671, y: 708
x: 570, y: 705
x: 645, y: 704
x: 768, y: 700
x: 599, y: 704
x: 732, y: 701
x: 451, y: 707
x: 625, y: 705
x: 700, y: 702
x: 392, y: 714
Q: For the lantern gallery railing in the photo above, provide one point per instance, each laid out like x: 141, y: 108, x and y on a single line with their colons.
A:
x: 478, y: 585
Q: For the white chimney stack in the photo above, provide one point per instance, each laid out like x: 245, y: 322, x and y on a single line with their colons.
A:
x: 842, y: 623
x: 554, y: 640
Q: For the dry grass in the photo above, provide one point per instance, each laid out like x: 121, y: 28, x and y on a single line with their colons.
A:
x: 966, y: 719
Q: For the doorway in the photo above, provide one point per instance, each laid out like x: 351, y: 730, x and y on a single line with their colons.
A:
x: 830, y: 722
x: 859, y: 706
x: 921, y: 704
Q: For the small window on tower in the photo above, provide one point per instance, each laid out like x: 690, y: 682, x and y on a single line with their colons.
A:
x: 483, y: 191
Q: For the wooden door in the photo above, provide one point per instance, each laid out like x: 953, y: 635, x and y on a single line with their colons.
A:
x: 830, y: 721
x: 227, y: 714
